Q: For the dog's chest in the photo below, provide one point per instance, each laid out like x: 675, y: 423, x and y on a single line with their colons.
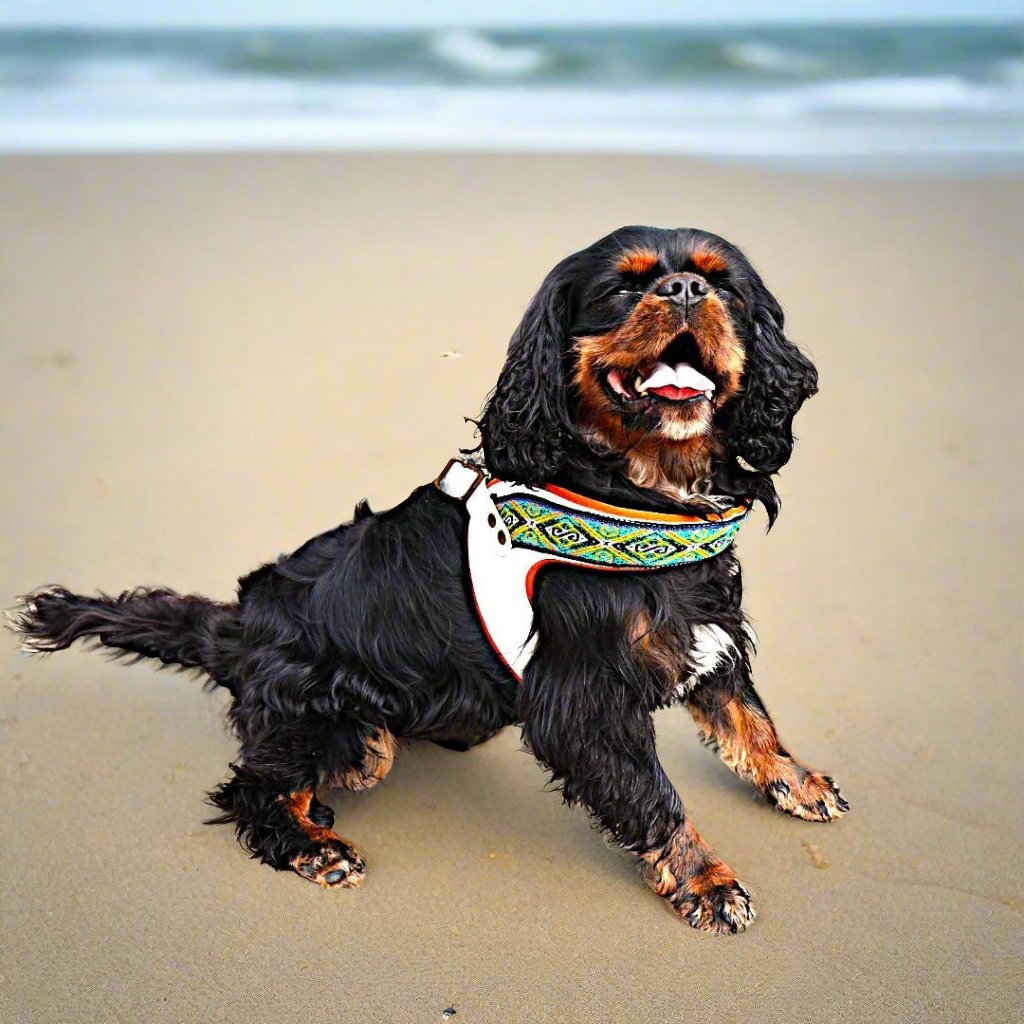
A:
x: 700, y: 633
x: 682, y: 658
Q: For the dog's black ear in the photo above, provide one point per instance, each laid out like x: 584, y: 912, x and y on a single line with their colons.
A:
x: 525, y: 427
x: 777, y: 379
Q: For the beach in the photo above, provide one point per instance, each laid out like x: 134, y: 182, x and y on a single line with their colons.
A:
x: 208, y: 359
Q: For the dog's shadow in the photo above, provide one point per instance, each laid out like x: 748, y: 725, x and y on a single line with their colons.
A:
x: 492, y: 800
x: 495, y: 800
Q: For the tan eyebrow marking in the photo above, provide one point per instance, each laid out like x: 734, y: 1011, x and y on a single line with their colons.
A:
x: 708, y: 262
x: 637, y: 261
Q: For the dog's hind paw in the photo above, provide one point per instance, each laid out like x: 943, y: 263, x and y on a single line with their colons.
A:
x: 806, y: 794
x: 334, y: 865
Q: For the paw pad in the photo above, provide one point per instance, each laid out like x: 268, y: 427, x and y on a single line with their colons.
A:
x: 335, y: 865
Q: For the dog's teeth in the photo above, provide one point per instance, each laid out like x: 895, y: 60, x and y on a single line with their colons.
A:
x: 708, y: 394
x: 639, y: 384
x: 688, y: 376
x: 659, y: 377
x: 615, y: 381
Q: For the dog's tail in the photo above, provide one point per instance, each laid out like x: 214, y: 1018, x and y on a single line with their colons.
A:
x: 183, y: 630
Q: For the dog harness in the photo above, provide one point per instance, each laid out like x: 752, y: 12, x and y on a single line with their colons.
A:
x: 513, y: 531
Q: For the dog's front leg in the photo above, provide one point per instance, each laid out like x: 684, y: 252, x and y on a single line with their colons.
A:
x: 593, y: 730
x: 734, y: 721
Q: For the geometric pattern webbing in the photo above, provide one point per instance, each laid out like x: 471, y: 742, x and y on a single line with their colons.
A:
x: 595, y: 539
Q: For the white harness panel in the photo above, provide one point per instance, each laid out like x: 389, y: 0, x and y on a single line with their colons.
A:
x: 501, y: 575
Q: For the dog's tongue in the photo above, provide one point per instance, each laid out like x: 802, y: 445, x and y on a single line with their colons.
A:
x: 677, y: 384
x: 674, y: 394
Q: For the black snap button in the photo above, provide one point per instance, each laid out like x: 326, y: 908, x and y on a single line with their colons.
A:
x: 501, y: 537
x: 492, y: 521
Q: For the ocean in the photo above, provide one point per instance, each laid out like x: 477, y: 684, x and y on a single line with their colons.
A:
x: 924, y: 97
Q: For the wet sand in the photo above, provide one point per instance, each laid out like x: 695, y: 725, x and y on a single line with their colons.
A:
x: 205, y: 360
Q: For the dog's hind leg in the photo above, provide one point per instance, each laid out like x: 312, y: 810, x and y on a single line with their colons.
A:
x: 326, y: 858
x: 380, y: 756
x: 288, y: 829
x: 271, y: 797
x: 734, y: 721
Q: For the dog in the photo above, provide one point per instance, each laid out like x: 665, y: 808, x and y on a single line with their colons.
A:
x: 650, y: 372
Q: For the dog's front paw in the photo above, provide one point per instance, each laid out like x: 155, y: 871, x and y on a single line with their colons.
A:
x: 334, y: 865
x: 804, y: 793
x: 698, y: 886
x: 714, y: 901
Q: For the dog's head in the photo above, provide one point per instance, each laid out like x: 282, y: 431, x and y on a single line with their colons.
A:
x: 649, y: 341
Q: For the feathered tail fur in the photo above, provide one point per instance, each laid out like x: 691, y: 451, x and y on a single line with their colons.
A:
x: 184, y: 630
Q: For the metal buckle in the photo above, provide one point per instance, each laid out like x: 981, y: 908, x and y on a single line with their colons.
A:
x: 458, y: 479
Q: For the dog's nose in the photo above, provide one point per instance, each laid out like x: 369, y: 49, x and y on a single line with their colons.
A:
x: 686, y: 289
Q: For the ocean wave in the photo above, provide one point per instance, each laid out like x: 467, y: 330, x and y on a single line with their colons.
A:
x: 940, y: 94
x: 475, y: 52
x: 761, y: 56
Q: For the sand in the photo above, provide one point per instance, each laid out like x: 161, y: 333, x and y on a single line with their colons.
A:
x: 206, y: 360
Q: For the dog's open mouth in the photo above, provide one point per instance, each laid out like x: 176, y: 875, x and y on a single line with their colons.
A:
x: 676, y: 376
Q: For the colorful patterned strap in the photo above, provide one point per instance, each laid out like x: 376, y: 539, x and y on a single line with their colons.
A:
x: 602, y: 535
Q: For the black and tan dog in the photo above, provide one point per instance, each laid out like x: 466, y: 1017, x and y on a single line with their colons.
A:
x: 367, y: 636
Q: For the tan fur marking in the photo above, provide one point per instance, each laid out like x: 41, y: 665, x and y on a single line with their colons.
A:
x: 701, y: 888
x: 297, y: 805
x: 335, y: 855
x: 707, y: 261
x: 380, y: 756
x: 637, y: 261
x: 655, y: 650
x: 747, y: 742
x: 683, y: 857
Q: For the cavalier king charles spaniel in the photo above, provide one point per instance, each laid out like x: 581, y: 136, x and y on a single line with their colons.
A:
x: 651, y: 370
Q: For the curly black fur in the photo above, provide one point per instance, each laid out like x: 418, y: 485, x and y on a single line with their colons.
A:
x: 527, y: 427
x: 779, y: 378
x: 371, y: 626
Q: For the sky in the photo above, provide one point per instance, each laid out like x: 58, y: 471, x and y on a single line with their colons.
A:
x: 395, y: 13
